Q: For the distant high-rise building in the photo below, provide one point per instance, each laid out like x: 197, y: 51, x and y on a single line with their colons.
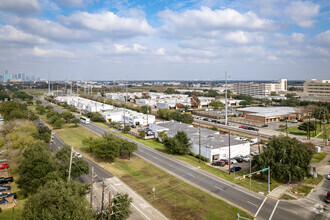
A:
x: 6, y: 76
x: 317, y: 89
x: 260, y: 89
x: 23, y: 76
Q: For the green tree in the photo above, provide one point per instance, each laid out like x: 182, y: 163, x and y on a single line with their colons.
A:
x: 290, y: 95
x: 127, y: 128
x: 170, y: 91
x: 67, y: 116
x: 142, y: 134
x: 40, y: 109
x: 37, y: 165
x: 44, y: 134
x: 38, y: 102
x: 4, y: 95
x: 79, y: 165
x: 58, y: 200
x: 120, y: 205
x: 307, y: 126
x: 75, y: 121
x: 287, y: 157
x: 58, y: 124
x: 145, y: 109
x: 187, y: 118
x: 164, y: 113
x: 245, y: 103
x: 97, y: 117
x: 128, y: 147
x: 216, y: 104
x: 179, y: 144
x: 49, y: 108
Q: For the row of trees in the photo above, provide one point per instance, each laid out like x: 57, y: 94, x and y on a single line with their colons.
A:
x: 95, y: 116
x: 109, y: 146
x: 59, y: 119
x: 175, y: 115
x: 11, y: 110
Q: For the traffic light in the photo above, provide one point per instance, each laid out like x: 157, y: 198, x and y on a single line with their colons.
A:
x: 258, y: 173
x: 241, y: 178
x: 249, y: 175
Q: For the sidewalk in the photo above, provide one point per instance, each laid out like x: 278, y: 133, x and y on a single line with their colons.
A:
x: 140, y: 208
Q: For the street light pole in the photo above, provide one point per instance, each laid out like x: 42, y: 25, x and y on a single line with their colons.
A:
x: 229, y: 151
x: 268, y: 179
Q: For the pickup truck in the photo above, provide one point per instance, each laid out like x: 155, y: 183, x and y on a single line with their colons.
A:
x: 4, y: 180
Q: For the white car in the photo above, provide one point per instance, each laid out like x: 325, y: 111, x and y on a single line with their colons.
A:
x: 328, y: 177
x: 254, y: 153
x: 232, y: 160
x: 245, y: 158
x: 78, y: 155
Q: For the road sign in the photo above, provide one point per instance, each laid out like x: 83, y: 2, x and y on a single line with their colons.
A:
x: 265, y: 169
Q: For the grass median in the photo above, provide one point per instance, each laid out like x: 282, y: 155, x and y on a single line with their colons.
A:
x: 173, y: 197
x: 257, y: 184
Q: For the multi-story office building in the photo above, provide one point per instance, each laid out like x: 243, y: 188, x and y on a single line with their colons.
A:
x: 260, y: 89
x: 317, y: 89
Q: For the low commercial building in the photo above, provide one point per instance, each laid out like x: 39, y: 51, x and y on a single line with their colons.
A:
x: 271, y: 114
x: 214, y: 146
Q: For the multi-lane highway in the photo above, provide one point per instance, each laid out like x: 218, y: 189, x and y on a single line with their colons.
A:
x: 257, y: 205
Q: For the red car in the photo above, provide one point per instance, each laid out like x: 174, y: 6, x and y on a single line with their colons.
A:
x: 225, y: 160
x: 3, y: 166
x: 300, y: 120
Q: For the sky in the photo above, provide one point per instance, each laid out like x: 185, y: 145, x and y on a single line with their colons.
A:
x: 166, y: 40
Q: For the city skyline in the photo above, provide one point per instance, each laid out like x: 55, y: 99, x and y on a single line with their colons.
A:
x: 165, y: 40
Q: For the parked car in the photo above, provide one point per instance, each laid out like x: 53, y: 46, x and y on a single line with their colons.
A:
x: 3, y: 160
x: 235, y: 169
x: 246, y: 158
x: 328, y: 177
x: 5, y: 180
x: 254, y: 153
x: 242, y: 126
x: 225, y: 160
x: 6, y: 195
x: 232, y: 160
x: 264, y: 125
x: 133, y: 126
x: 218, y: 163
x: 327, y: 197
x: 4, y: 166
x: 239, y: 159
x: 294, y: 121
x: 4, y: 188
x: 300, y: 120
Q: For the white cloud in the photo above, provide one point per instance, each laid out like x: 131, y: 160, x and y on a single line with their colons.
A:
x: 323, y: 38
x: 10, y: 34
x: 242, y: 37
x: 210, y: 23
x: 20, y: 7
x: 46, y: 53
x: 109, y: 23
x: 160, y: 51
x: 302, y: 13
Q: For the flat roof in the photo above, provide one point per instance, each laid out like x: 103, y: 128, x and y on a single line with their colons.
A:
x: 269, y: 111
x: 209, y: 138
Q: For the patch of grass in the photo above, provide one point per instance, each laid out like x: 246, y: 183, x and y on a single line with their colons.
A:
x: 287, y: 197
x: 296, y: 131
x: 318, y: 157
x: 313, y: 181
x: 302, y: 190
x: 257, y: 184
x: 174, y: 197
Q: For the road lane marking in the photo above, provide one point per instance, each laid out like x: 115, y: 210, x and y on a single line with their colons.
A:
x: 170, y: 165
x: 191, y: 175
x: 260, y: 207
x: 252, y: 203
x: 155, y: 157
x: 140, y: 211
x: 271, y: 216
x: 218, y: 187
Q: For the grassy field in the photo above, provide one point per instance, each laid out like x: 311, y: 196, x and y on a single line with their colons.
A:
x: 318, y: 157
x: 313, y: 181
x: 257, y: 184
x: 287, y: 197
x: 296, y: 131
x: 175, y: 198
x: 301, y: 190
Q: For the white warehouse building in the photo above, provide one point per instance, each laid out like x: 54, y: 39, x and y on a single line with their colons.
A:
x: 214, y: 146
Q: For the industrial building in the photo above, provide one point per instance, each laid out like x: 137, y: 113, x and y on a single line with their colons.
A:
x: 214, y: 145
x: 259, y: 89
x: 109, y: 112
x: 271, y: 114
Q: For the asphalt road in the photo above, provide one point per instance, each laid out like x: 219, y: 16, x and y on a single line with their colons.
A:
x: 255, y: 204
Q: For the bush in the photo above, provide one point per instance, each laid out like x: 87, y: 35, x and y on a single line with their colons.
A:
x: 97, y: 117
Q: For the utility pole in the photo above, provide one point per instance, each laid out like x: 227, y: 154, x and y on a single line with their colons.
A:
x: 229, y: 151
x: 48, y: 83
x: 308, y: 130
x: 226, y: 104
x: 91, y: 198
x: 258, y: 141
x: 102, y: 202
x: 268, y: 179
x: 70, y: 163
x: 199, y: 141
x: 250, y: 162
x: 109, y: 212
x: 286, y: 126
x: 125, y: 102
